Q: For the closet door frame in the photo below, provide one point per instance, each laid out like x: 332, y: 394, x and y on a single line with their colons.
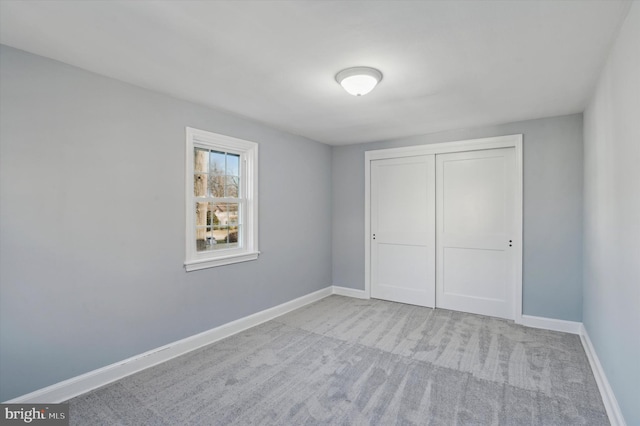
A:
x: 510, y: 141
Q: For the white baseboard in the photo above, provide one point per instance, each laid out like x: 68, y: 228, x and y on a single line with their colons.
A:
x: 608, y: 397
x: 78, y: 385
x: 349, y: 292
x: 563, y: 326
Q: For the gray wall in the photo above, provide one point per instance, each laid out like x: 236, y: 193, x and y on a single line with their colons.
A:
x: 611, y: 311
x: 92, y: 223
x: 552, y: 264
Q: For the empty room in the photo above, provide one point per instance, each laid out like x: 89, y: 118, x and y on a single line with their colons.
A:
x: 320, y: 212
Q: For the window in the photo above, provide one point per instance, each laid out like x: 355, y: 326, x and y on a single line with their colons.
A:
x: 222, y: 200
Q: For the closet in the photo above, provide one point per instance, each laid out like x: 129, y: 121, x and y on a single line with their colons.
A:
x: 444, y: 225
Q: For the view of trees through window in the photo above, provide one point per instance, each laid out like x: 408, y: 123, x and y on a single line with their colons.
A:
x: 217, y: 192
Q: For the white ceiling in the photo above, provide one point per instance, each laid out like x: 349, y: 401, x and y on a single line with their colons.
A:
x: 446, y: 64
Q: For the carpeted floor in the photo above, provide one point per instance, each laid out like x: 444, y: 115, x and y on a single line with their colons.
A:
x: 344, y: 361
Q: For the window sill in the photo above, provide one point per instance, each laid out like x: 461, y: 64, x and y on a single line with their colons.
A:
x: 196, y: 265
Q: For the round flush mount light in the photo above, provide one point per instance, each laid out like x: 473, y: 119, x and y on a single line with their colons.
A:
x: 359, y: 81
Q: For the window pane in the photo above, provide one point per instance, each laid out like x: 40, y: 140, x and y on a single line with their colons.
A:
x: 200, y: 160
x: 221, y: 216
x: 225, y: 225
x: 232, y: 210
x: 226, y: 236
x: 202, y: 231
x: 233, y: 187
x: 216, y: 186
x: 201, y: 214
x: 208, y: 242
x: 216, y: 226
x: 233, y: 164
x: 217, y: 163
x: 226, y: 214
x: 200, y: 185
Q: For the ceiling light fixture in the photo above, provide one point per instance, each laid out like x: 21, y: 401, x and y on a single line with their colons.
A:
x: 359, y: 81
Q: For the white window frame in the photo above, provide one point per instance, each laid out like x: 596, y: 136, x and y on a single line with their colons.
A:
x: 248, y: 152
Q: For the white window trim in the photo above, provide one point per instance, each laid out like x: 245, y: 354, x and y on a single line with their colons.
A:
x: 249, y: 180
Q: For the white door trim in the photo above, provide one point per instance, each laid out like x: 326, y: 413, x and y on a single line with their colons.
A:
x: 510, y: 141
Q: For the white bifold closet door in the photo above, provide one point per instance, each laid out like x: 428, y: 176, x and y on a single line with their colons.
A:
x: 475, y: 228
x: 403, y: 230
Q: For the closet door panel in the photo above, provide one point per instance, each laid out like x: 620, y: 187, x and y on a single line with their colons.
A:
x: 403, y: 230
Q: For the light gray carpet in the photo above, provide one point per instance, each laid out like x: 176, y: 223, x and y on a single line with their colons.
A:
x: 343, y: 361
